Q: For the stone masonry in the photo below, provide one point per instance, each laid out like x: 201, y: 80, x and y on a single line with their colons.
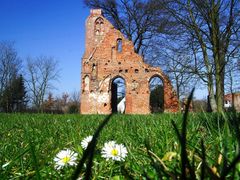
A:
x: 108, y: 55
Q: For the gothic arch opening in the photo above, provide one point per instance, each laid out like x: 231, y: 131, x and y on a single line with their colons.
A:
x: 156, y: 97
x: 86, y: 82
x: 99, y: 26
x: 118, y: 92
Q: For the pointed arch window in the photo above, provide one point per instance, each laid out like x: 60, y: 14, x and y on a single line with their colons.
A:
x: 118, y: 95
x: 156, y: 98
x: 99, y: 28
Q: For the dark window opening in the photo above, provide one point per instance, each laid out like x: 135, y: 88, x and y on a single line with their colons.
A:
x: 156, y: 100
x: 118, y: 100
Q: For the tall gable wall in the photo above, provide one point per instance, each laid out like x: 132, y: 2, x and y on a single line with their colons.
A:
x: 102, y: 63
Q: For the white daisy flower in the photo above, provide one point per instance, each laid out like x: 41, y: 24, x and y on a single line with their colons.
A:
x: 86, y: 141
x: 65, y: 158
x: 116, y: 152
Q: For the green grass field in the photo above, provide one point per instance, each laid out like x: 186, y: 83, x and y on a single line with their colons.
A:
x: 29, y: 143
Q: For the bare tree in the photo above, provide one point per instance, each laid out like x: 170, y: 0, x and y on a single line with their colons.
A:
x: 232, y: 81
x: 41, y: 73
x: 175, y: 62
x: 134, y: 18
x: 10, y: 64
x: 75, y: 97
x: 212, y: 29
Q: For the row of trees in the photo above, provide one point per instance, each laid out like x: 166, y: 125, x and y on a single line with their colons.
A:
x: 12, y: 89
x: 196, y: 42
x: 27, y: 87
x: 67, y: 103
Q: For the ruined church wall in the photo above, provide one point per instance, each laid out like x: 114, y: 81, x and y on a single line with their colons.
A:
x: 102, y: 63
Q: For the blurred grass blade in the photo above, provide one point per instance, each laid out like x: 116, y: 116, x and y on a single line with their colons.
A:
x: 34, y: 159
x: 159, y: 165
x: 33, y: 153
x: 236, y: 125
x: 183, y: 141
x: 232, y: 165
x: 203, y: 161
x: 89, y: 152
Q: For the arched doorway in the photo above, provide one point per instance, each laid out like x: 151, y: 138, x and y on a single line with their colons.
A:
x: 118, y: 100
x: 156, y: 98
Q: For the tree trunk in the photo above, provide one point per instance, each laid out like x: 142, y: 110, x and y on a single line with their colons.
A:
x: 218, y: 56
x: 178, y: 94
x: 212, y: 99
x: 219, y: 90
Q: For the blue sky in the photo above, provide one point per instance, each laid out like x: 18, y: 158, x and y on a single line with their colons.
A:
x: 50, y: 28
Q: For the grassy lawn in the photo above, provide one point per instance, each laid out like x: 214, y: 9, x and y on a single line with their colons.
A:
x: 29, y: 143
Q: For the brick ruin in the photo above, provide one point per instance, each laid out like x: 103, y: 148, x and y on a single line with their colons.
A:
x: 109, y: 55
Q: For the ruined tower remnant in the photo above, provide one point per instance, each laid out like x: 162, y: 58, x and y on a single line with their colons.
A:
x: 109, y: 55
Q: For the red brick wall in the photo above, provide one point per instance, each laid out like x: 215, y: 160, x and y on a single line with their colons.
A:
x: 102, y: 63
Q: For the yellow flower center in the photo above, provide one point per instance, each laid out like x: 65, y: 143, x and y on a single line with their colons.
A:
x: 66, y: 159
x: 114, y: 152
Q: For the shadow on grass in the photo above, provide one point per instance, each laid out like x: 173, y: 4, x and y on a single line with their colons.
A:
x: 89, y: 152
x: 188, y: 168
